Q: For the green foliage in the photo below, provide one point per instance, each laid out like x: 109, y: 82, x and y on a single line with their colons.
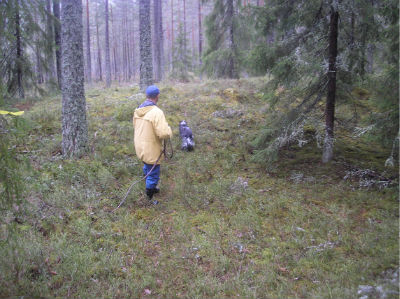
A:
x: 292, y: 46
x: 181, y: 57
x: 32, y: 37
x: 386, y: 96
x: 222, y: 58
x: 11, y: 164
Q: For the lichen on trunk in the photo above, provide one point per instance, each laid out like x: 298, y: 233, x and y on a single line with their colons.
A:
x: 74, y: 122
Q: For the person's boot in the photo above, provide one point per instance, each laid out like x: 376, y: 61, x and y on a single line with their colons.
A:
x: 150, y: 193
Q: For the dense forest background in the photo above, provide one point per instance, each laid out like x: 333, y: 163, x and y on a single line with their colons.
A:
x: 292, y: 190
x: 322, y: 48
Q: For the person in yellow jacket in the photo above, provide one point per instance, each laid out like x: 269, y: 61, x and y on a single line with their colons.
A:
x: 151, y: 128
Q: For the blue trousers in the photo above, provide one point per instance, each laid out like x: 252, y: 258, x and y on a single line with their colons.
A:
x: 154, y: 176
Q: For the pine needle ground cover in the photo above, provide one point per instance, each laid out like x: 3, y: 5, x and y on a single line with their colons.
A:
x: 226, y: 226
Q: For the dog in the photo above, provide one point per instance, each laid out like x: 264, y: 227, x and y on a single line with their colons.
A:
x: 187, y: 136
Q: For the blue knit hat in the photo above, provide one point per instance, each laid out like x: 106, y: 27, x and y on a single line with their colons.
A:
x: 152, y: 91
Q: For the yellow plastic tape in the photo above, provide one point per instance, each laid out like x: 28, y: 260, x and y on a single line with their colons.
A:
x: 19, y: 113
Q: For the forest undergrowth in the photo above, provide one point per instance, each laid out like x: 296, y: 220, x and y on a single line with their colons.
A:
x: 226, y: 226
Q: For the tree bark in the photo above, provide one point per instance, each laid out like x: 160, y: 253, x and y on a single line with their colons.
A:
x: 100, y: 72
x: 184, y: 28
x: 172, y: 34
x: 158, y: 40
x: 50, y: 40
x: 114, y: 45
x: 352, y: 43
x: 39, y: 68
x: 21, y: 92
x: 88, y: 54
x: 200, y: 34
x: 327, y: 154
x: 107, y: 48
x: 232, y: 71
x: 74, y: 122
x: 57, y: 39
x: 146, y: 60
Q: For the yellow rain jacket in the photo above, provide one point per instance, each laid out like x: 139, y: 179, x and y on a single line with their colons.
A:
x: 151, y: 128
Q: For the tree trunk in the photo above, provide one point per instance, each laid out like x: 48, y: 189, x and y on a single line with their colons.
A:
x: 88, y: 54
x: 100, y: 73
x: 184, y: 29
x: 158, y: 40
x: 363, y: 47
x: 172, y: 34
x: 132, y: 62
x: 114, y: 45
x: 74, y: 123
x: 200, y: 35
x: 38, y: 68
x: 57, y: 38
x: 327, y: 154
x: 21, y: 92
x: 50, y: 40
x: 352, y: 44
x: 232, y: 72
x: 146, y: 67
x: 107, y: 48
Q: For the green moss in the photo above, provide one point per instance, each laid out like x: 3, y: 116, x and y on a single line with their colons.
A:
x: 205, y: 239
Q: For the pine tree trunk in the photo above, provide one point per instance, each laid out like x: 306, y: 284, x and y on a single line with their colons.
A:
x: 107, y: 48
x: 363, y: 47
x: 114, y: 45
x: 21, y: 92
x: 146, y: 66
x: 158, y: 40
x: 88, y: 54
x: 74, y: 123
x: 232, y: 72
x: 172, y: 35
x: 50, y: 39
x: 38, y: 68
x: 100, y: 72
x: 200, y: 35
x: 57, y: 38
x: 184, y: 29
x: 39, y: 71
x: 132, y: 63
x: 352, y: 44
x: 327, y: 154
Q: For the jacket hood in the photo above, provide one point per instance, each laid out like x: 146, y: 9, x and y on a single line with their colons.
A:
x: 140, y: 112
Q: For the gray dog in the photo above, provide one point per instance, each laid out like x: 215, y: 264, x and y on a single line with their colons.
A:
x: 187, y: 136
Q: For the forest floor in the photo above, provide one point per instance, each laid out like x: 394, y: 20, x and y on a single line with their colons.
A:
x: 225, y: 226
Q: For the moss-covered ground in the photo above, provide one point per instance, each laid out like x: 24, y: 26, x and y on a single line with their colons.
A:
x: 225, y: 226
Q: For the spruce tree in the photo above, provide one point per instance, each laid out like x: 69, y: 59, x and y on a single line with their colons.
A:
x: 21, y: 37
x: 222, y: 56
x: 319, y: 47
x: 181, y: 57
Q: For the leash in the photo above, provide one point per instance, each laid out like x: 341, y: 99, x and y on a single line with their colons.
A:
x: 164, y: 151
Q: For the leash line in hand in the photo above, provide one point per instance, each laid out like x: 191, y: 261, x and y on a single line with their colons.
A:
x: 143, y: 178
